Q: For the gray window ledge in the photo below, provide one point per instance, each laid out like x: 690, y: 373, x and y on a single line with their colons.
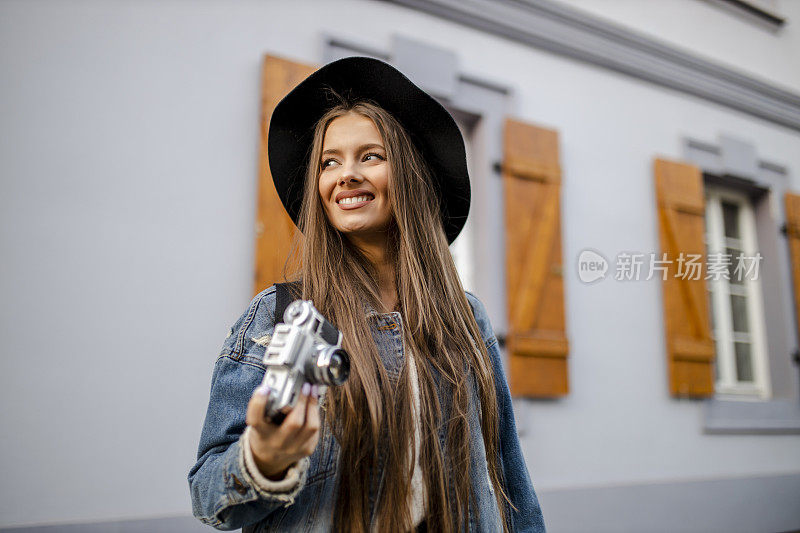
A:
x: 751, y: 417
x: 569, y: 32
x: 756, y: 10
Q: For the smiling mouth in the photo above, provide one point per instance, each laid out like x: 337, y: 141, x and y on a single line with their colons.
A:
x: 354, y: 202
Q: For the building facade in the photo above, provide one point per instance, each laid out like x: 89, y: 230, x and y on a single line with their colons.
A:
x: 612, y: 146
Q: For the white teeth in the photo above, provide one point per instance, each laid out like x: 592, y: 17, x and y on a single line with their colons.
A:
x: 353, y: 200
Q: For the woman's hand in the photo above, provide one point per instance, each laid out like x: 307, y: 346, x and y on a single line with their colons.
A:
x: 275, y: 448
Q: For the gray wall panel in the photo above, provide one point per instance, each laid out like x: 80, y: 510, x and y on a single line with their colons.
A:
x: 731, y: 505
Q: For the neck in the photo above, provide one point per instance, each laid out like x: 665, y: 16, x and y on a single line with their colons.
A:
x: 377, y: 253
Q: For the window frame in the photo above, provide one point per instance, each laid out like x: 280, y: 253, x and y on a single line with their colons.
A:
x: 726, y: 386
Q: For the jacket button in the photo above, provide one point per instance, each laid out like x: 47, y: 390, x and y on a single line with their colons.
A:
x: 239, y: 486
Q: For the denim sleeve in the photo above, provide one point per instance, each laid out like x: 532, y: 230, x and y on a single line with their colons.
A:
x: 528, y: 516
x: 223, y: 494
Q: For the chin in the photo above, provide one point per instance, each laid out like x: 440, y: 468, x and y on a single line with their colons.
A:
x: 356, y: 231
x: 362, y: 230
x: 354, y: 226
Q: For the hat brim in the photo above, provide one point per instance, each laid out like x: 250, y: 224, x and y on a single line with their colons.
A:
x: 432, y: 129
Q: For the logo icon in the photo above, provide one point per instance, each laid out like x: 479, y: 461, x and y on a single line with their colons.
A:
x: 591, y: 266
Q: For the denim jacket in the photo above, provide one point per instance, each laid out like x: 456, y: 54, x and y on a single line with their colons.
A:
x: 225, y: 493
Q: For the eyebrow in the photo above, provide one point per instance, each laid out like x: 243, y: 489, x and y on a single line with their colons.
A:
x: 360, y: 148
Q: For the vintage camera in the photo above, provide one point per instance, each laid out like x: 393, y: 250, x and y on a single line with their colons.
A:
x: 305, y: 348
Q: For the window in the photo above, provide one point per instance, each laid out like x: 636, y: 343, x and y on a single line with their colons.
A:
x: 734, y: 292
x: 462, y: 248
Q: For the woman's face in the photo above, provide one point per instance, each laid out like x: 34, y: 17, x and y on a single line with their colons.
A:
x: 354, y: 177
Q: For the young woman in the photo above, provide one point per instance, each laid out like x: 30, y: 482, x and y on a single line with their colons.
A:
x: 422, y: 435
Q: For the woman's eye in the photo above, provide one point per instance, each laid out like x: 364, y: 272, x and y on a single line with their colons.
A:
x: 367, y: 157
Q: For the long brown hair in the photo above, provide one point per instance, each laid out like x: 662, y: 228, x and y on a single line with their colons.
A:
x: 372, y: 412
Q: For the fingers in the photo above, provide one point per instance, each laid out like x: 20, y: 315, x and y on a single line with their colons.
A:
x: 299, y: 431
x: 296, y: 419
x: 313, y: 403
x: 256, y: 407
x: 309, y: 434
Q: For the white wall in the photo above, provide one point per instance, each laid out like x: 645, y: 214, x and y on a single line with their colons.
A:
x: 129, y: 161
x: 711, y: 29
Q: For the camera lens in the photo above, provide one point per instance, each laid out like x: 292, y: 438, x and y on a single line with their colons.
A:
x: 330, y: 367
x: 339, y: 368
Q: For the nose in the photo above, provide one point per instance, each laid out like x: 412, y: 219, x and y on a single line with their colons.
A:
x: 349, y: 175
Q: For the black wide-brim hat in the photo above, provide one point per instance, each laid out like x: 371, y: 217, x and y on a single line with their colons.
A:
x: 432, y: 129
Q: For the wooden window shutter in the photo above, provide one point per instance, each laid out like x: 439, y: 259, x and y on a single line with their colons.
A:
x: 681, y: 209
x: 274, y: 229
x: 536, y: 342
x: 793, y: 234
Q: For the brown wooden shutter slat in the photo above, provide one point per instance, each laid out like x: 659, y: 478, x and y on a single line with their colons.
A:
x: 274, y: 229
x: 539, y: 345
x: 536, y: 342
x: 792, y: 202
x: 690, y: 350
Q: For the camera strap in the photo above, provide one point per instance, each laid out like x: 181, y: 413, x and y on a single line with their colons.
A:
x: 285, y: 294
